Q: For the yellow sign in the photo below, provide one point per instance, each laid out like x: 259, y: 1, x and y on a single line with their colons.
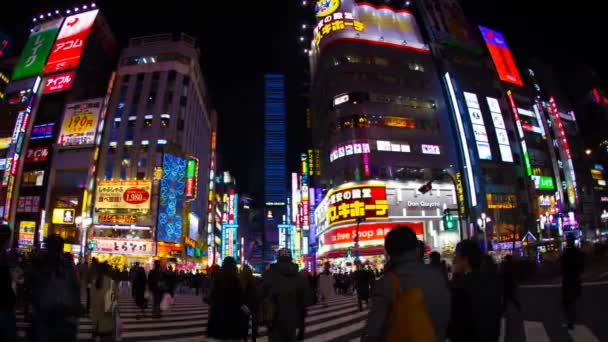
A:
x: 79, y: 123
x: 26, y: 233
x: 63, y: 216
x: 460, y: 192
x: 5, y: 143
x: 366, y: 200
x: 117, y: 194
x: 326, y: 7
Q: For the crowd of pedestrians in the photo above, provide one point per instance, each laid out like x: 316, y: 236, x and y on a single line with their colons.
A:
x: 410, y: 301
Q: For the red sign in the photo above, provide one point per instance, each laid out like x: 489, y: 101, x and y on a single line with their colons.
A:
x: 37, y: 154
x: 135, y: 196
x: 58, y: 82
x: 367, y: 232
x: 501, y: 55
x: 70, y: 42
x: 357, y: 201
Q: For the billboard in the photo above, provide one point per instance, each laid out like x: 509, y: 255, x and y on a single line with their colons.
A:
x: 478, y: 126
x: 120, y: 194
x: 36, y: 50
x: 543, y: 182
x: 192, y: 178
x: 501, y: 55
x: 70, y: 42
x: 27, y: 230
x: 80, y: 123
x: 229, y: 240
x: 348, y: 20
x: 58, y: 82
x: 193, y: 222
x: 501, y: 133
x: 63, y: 216
x: 37, y: 154
x: 172, y: 196
x: 117, y: 219
x: 42, y: 131
x: 348, y: 203
x: 122, y: 246
x: 369, y: 233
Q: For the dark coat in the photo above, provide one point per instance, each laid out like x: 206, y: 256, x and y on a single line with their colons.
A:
x: 226, y: 317
x: 139, y: 289
x: 573, y: 265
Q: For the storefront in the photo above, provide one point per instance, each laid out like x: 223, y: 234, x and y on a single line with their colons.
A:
x: 123, y: 252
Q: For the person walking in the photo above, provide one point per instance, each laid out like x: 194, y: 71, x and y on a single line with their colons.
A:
x: 437, y: 264
x: 573, y: 265
x: 326, y: 285
x: 411, y: 302
x: 132, y: 275
x: 103, y: 297
x: 157, y: 287
x: 285, y: 295
x: 252, y: 301
x: 139, y: 291
x: 362, y: 282
x: 228, y: 312
x: 477, y: 302
x: 8, y: 319
x: 509, y: 283
x: 170, y: 277
x: 55, y: 295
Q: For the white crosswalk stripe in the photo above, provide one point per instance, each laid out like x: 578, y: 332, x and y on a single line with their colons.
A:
x: 339, y: 321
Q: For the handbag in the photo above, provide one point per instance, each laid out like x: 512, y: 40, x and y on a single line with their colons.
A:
x: 166, y: 302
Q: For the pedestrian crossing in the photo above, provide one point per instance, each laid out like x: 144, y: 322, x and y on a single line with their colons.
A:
x: 339, y: 321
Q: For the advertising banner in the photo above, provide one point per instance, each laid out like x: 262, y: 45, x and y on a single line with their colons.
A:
x: 346, y: 204
x: 37, y: 154
x: 172, y: 198
x: 36, y: 50
x: 478, y: 126
x: 42, y: 131
x: 5, y: 142
x: 58, y: 82
x: 501, y: 55
x: 63, y: 216
x: 117, y: 219
x: 26, y: 233
x: 118, y: 194
x: 367, y: 232
x: 80, y: 123
x: 229, y: 240
x: 122, y: 246
x: 501, y: 133
x: 70, y: 42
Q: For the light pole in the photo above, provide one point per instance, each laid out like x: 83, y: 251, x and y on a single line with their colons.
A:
x: 482, y: 223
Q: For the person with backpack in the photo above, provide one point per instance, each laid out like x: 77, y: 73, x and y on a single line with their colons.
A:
x: 103, y: 297
x: 55, y: 295
x: 477, y: 304
x: 286, y: 295
x: 411, y: 302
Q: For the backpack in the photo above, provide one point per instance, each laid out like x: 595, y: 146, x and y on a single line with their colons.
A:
x: 60, y: 295
x: 409, y: 318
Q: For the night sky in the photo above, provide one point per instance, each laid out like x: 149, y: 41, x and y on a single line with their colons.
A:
x: 267, y: 41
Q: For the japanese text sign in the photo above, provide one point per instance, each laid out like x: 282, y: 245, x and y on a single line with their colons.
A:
x: 36, y: 50
x: 70, y: 42
x: 501, y: 55
x: 367, y: 232
x: 123, y: 194
x: 80, y: 123
x: 358, y: 201
x: 58, y: 82
x: 63, y: 216
x: 122, y: 246
x: 37, y: 154
x: 117, y: 219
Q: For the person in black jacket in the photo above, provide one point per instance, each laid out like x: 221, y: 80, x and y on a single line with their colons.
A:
x: 156, y: 284
x: 8, y: 323
x: 573, y: 264
x: 476, y: 297
x: 509, y: 283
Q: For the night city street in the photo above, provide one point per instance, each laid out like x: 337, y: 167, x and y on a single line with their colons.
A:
x: 303, y: 170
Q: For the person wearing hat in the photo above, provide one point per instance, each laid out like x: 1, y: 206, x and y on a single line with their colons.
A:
x: 286, y: 295
x: 477, y: 297
x: 403, y: 252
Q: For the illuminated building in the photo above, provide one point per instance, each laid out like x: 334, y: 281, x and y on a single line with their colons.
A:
x: 382, y: 128
x: 158, y: 138
x: 57, y: 96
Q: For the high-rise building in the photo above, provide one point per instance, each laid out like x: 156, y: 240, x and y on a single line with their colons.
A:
x: 275, y: 140
x: 155, y: 157
x: 382, y: 128
x: 57, y: 100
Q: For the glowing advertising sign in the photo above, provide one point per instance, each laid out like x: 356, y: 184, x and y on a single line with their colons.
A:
x: 383, y: 145
x: 36, y: 50
x: 524, y: 147
x: 193, y: 222
x: 80, y: 123
x: 479, y: 128
x: 311, y: 163
x: 564, y: 150
x: 122, y: 246
x: 233, y: 208
x: 369, y: 233
x: 501, y: 55
x: 229, y: 240
x: 350, y: 21
x: 37, y: 154
x: 58, y: 82
x: 191, y: 178
x: 26, y: 233
x: 43, y: 131
x: 70, y: 42
x: 117, y: 219
x: 349, y: 150
x: 63, y: 216
x: 348, y: 203
x: 172, y: 198
x: 5, y: 143
x: 286, y: 236
x: 543, y: 182
x: 294, y: 196
x: 119, y: 194
x: 430, y: 149
x: 501, y: 133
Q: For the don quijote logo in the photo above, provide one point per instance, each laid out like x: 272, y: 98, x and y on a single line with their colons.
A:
x: 135, y: 195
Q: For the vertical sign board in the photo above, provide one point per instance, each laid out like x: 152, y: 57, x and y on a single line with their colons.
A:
x: 171, y: 202
x: 229, y: 240
x: 70, y: 42
x: 501, y: 132
x: 80, y: 123
x: 36, y: 50
x: 479, y: 128
x: 501, y: 55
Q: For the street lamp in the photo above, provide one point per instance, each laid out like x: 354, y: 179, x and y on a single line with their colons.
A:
x: 482, y: 223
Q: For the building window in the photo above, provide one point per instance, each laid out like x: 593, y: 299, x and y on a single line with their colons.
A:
x: 415, y: 67
x: 108, y: 172
x: 125, y: 167
x: 172, y: 75
x: 33, y: 178
x: 126, y: 78
x: 186, y: 81
x: 140, y: 77
x: 155, y: 76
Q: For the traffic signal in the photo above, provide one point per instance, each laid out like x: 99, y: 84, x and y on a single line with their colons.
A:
x: 449, y: 221
x: 426, y: 187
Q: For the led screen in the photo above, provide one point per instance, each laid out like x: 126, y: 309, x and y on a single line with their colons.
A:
x: 171, y: 203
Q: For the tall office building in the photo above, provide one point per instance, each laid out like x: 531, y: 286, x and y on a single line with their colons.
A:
x: 382, y: 128
x: 275, y: 140
x: 156, y: 150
